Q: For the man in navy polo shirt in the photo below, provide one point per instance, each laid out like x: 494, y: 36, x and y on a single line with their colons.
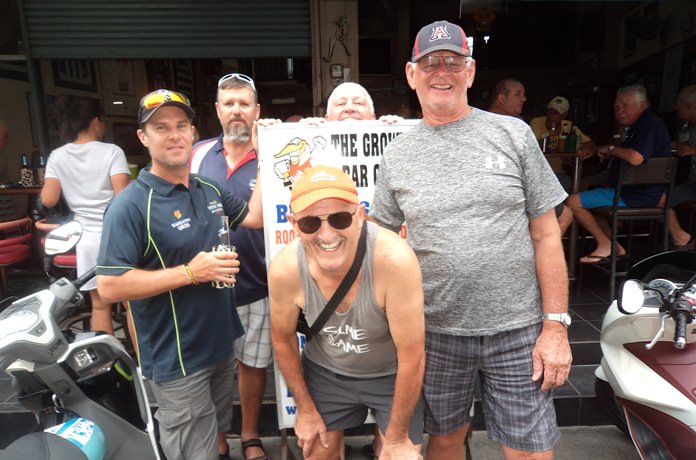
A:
x: 647, y: 137
x: 156, y: 252
x: 230, y: 160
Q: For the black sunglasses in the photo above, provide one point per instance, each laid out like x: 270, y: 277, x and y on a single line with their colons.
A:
x: 338, y: 220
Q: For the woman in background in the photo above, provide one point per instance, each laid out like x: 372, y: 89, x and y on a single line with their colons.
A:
x: 89, y: 173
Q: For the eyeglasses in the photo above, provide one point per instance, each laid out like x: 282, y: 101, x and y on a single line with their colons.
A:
x: 159, y: 97
x: 238, y: 76
x: 338, y: 220
x: 452, y: 63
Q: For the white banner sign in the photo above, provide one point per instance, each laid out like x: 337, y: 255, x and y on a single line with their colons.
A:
x: 288, y: 149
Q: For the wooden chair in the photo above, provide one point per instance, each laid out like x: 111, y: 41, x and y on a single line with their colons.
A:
x: 656, y: 171
x: 14, y: 245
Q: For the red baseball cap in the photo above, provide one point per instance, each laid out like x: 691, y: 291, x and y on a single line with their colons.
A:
x: 440, y: 35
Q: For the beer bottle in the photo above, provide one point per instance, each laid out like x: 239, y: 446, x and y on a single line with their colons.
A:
x: 684, y: 132
x: 26, y: 176
x: 552, y: 142
x: 41, y: 169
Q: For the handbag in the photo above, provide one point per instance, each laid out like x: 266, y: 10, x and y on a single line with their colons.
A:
x: 310, y: 331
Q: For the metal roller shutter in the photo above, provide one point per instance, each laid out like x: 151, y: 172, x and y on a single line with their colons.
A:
x: 109, y: 29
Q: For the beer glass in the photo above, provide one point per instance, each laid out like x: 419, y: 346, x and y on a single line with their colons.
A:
x: 223, y: 245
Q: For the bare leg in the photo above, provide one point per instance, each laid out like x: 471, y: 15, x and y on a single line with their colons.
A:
x: 679, y: 236
x: 223, y: 447
x: 335, y: 450
x: 597, y: 228
x: 565, y: 219
x: 448, y: 446
x: 252, y: 383
x: 514, y: 454
x: 101, y: 313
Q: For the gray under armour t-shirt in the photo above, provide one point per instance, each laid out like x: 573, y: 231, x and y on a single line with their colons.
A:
x: 467, y: 191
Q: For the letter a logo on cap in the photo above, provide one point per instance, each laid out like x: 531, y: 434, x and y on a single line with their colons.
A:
x: 439, y: 33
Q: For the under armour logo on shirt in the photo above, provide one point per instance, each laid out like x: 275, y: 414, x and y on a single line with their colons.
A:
x: 501, y: 162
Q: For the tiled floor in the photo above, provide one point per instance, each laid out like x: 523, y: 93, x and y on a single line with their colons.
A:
x: 575, y: 401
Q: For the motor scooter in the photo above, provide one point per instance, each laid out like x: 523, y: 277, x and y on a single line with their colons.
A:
x: 85, y: 390
x: 647, y: 376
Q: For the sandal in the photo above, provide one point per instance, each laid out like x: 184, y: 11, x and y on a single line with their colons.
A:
x: 255, y: 442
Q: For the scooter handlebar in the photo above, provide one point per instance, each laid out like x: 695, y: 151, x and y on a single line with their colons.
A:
x: 682, y: 317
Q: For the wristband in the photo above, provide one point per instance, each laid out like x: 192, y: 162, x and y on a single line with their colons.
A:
x: 189, y: 273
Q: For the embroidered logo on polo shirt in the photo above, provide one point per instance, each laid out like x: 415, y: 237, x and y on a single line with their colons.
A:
x: 215, y: 207
x: 180, y: 224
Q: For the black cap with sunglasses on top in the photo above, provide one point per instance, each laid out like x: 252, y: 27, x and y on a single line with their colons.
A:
x: 440, y: 36
x: 151, y: 102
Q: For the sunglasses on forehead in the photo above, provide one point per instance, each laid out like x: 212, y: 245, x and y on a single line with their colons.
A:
x: 338, y: 220
x: 159, y: 97
x: 237, y: 76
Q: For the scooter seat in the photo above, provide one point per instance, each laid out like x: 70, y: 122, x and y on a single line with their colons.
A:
x: 42, y: 446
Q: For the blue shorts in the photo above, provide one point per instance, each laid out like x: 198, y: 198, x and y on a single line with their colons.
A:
x: 599, y: 198
x: 517, y: 413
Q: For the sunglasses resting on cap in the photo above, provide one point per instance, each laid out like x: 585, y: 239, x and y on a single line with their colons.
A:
x: 151, y: 102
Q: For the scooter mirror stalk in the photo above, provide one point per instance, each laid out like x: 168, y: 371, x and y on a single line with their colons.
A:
x: 631, y: 297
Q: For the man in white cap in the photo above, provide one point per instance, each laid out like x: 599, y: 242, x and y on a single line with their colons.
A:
x: 556, y: 113
x: 494, y: 276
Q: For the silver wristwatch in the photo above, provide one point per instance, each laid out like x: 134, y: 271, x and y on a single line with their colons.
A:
x: 563, y: 318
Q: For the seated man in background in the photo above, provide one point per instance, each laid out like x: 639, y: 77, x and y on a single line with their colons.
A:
x: 646, y: 137
x: 556, y: 113
x: 686, y: 110
x: 508, y: 98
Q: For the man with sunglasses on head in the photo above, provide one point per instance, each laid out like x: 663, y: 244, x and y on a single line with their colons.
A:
x: 478, y: 198
x: 156, y: 252
x: 231, y: 160
x: 369, y: 353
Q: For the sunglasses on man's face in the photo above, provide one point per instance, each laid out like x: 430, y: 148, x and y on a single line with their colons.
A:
x: 452, y: 63
x: 238, y: 76
x: 338, y: 220
x: 157, y: 98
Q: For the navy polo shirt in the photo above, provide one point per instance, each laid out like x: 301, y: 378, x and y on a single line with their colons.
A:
x: 209, y: 161
x: 649, y: 137
x: 154, y: 224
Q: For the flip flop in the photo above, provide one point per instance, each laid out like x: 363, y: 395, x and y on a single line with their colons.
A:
x: 596, y: 259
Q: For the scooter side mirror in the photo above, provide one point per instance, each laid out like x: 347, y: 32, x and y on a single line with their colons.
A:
x: 631, y: 297
x: 63, y: 238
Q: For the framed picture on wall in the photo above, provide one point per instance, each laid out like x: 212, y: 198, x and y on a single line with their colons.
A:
x: 119, y: 76
x: 75, y: 74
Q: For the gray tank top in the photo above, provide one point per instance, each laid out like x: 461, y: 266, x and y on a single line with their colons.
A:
x: 356, y: 343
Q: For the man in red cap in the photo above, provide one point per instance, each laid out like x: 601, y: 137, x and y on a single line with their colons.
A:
x: 369, y: 354
x: 478, y: 198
